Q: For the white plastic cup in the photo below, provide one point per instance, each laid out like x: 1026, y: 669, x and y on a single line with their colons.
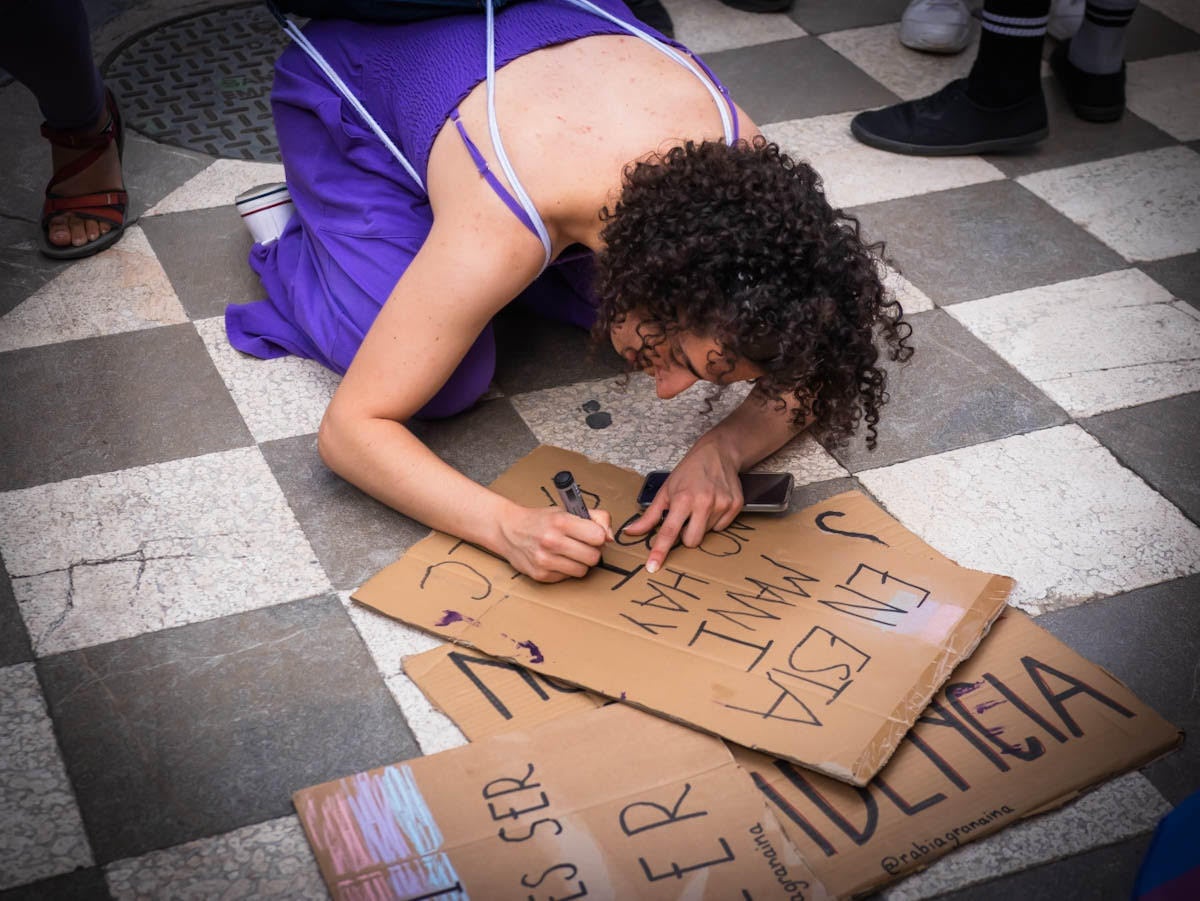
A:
x: 265, y: 209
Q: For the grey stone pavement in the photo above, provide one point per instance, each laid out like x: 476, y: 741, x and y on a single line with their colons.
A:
x: 177, y: 649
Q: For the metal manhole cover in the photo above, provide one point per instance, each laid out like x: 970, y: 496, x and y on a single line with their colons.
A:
x: 203, y: 81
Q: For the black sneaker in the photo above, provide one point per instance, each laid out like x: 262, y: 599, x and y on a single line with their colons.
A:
x: 653, y: 14
x: 1096, y: 98
x: 949, y: 123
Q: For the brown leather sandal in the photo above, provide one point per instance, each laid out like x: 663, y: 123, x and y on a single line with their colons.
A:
x: 103, y: 206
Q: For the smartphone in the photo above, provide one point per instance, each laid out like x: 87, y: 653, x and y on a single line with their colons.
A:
x: 762, y: 492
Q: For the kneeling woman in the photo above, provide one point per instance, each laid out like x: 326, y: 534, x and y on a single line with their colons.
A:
x: 715, y: 257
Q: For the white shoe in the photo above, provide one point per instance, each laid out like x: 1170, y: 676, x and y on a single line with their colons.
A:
x: 936, y: 26
x: 1065, y: 18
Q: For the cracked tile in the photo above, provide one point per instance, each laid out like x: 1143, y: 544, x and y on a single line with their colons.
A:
x: 1053, y: 509
x: 855, y: 174
x: 1143, y: 205
x: 110, y: 556
x: 121, y: 290
x: 1165, y: 91
x: 1141, y: 344
x: 41, y: 833
x: 1117, y: 810
x: 704, y: 26
x: 389, y: 641
x: 644, y: 433
x: 193, y: 732
x: 278, y: 398
x: 217, y: 185
x: 266, y: 860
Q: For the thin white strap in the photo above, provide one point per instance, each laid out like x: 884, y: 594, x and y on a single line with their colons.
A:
x: 315, y: 55
x: 667, y: 50
x: 518, y: 189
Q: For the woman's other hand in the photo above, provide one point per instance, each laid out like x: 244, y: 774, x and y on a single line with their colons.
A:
x: 549, y: 544
x: 701, y: 495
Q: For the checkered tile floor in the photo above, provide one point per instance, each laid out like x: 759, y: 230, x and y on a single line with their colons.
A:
x: 177, y: 651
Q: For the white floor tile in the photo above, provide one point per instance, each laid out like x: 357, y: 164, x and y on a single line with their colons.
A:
x: 855, y: 174
x: 1094, y: 344
x: 1165, y: 91
x: 1118, y: 810
x: 41, y: 833
x: 121, y: 290
x: 1145, y: 206
x: 217, y: 186
x: 647, y: 433
x: 389, y: 642
x: 911, y: 298
x: 906, y: 73
x: 1053, y: 509
x: 266, y: 860
x: 705, y: 26
x: 119, y: 554
x: 278, y: 398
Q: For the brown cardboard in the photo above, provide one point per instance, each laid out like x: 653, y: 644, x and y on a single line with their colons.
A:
x: 1023, y: 726
x: 817, y: 636
x: 584, y: 806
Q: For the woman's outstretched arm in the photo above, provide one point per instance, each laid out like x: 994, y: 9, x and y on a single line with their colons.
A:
x: 467, y: 270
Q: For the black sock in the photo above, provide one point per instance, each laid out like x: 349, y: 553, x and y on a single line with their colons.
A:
x: 1007, y: 68
x: 1099, y: 47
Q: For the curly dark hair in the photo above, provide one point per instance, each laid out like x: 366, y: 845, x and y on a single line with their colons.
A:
x: 738, y: 243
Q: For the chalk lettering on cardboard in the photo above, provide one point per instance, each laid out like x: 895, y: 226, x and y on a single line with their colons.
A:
x: 624, y: 540
x: 883, y: 603
x: 821, y: 521
x: 1013, y: 698
x: 823, y: 652
x: 892, y: 864
x: 660, y: 815
x: 625, y: 574
x: 794, y: 887
x: 906, y: 807
x: 1032, y: 750
x: 792, y: 813
x: 795, y: 578
x: 860, y: 835
x: 937, y: 715
x: 787, y: 706
x: 761, y: 648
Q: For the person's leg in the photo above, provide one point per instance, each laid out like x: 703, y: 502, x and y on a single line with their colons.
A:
x: 47, y: 47
x: 1091, y: 66
x: 999, y: 106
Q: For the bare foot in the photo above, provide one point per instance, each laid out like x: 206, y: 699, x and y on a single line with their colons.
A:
x: 69, y: 230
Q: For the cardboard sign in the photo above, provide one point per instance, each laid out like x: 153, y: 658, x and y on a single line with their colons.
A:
x: 586, y: 806
x: 1023, y: 726
x: 817, y: 636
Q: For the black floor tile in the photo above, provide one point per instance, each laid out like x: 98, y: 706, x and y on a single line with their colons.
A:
x: 795, y: 79
x: 204, y: 255
x: 103, y: 404
x: 1153, y: 34
x: 80, y: 885
x: 533, y: 353
x: 195, y: 731
x: 14, y: 638
x: 355, y: 536
x: 1158, y: 442
x: 953, y: 393
x: 821, y: 16
x: 1105, y: 874
x: 1147, y: 639
x: 1179, y: 275
x: 1008, y: 238
x: 153, y: 170
x: 1073, y: 141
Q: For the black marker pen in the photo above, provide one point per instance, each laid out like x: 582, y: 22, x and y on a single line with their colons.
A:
x: 568, y: 492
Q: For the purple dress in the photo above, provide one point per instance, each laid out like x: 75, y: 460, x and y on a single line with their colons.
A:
x: 360, y: 219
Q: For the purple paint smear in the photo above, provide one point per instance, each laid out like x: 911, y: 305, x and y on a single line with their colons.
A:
x: 960, y: 690
x: 622, y: 696
x: 535, y: 656
x: 448, y: 617
x: 980, y: 708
